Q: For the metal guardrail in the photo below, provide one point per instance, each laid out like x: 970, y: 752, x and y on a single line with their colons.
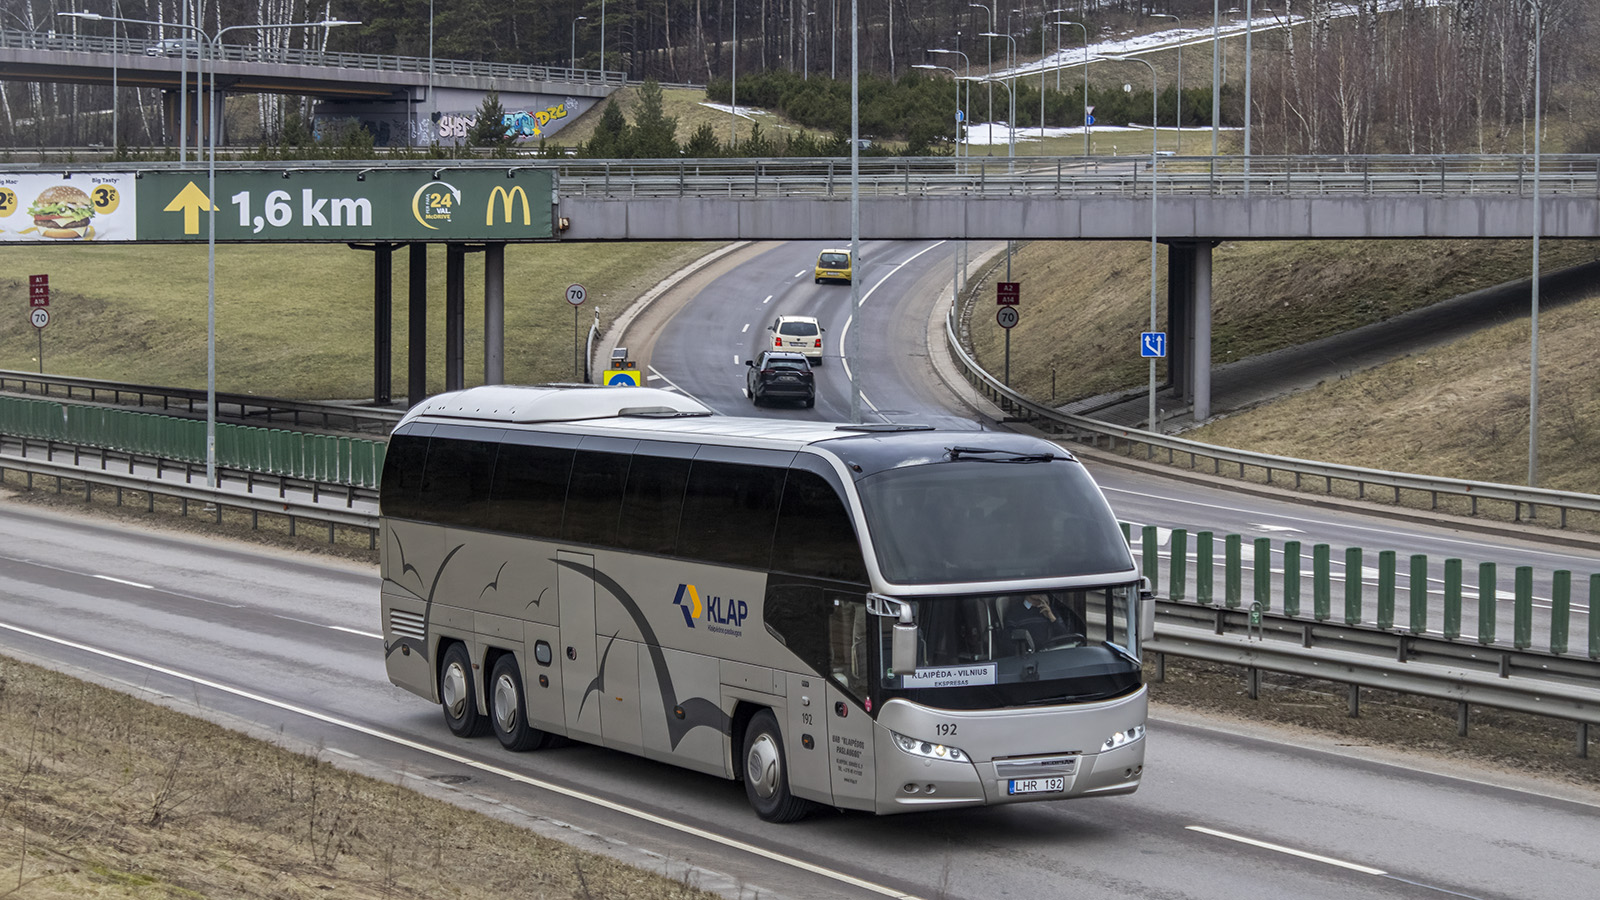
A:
x: 1525, y: 502
x: 287, y: 506
x: 1498, y: 678
x: 242, y: 408
x: 33, y: 40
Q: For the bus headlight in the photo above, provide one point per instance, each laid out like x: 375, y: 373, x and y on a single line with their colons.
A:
x: 1127, y: 736
x: 928, y: 749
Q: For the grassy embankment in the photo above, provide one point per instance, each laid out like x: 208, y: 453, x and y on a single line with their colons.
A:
x: 296, y: 320
x: 104, y: 796
x: 1458, y: 411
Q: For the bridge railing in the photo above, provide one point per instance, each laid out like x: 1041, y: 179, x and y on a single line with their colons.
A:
x: 36, y: 40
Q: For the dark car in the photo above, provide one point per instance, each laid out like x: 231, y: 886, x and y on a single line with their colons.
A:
x: 780, y: 375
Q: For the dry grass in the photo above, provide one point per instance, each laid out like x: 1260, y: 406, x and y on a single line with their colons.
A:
x: 1457, y: 411
x: 105, y: 796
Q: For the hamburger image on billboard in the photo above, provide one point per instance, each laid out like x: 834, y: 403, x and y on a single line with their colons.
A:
x: 62, y: 212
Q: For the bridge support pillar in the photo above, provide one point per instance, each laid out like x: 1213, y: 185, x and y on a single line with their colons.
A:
x: 417, y: 326
x: 494, y: 314
x: 382, y: 322
x: 1189, y: 318
x: 455, y: 316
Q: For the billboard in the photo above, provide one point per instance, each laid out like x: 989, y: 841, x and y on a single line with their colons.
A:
x: 280, y: 205
x: 55, y: 207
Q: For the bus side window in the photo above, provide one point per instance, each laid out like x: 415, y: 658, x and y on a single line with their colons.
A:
x: 456, y: 480
x: 401, y: 485
x: 815, y: 536
x: 797, y: 614
x: 594, y: 498
x: 847, y: 642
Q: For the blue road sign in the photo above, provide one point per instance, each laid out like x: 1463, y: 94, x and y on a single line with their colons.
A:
x: 1153, y: 343
x: 960, y: 116
x: 1088, y: 120
x: 623, y: 376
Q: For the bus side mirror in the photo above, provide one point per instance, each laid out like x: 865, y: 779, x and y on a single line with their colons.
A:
x: 903, y: 649
x: 903, y: 642
x: 1147, y: 611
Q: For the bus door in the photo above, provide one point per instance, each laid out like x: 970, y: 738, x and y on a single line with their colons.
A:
x: 579, y: 660
x: 850, y: 751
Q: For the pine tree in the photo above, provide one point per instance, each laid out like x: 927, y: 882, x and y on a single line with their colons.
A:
x: 703, y: 144
x: 654, y: 134
x: 610, y: 138
x: 489, y: 127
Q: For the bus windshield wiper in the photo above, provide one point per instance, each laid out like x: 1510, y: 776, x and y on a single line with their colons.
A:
x: 982, y: 454
x: 1122, y: 651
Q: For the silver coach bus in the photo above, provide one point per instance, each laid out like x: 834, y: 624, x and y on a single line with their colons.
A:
x: 881, y: 618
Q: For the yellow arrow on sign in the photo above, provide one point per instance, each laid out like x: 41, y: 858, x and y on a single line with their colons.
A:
x: 192, y: 201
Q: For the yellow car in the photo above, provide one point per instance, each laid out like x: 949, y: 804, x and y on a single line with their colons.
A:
x: 833, y: 265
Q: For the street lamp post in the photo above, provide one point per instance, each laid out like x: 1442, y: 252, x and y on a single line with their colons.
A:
x: 1085, y: 29
x: 1249, y: 32
x: 575, y: 40
x: 1178, y: 121
x: 956, y: 78
x: 603, y: 37
x: 805, y: 45
x: 733, y: 89
x: 989, y: 46
x: 1011, y: 119
x: 1216, y: 71
x: 433, y: 103
x: 967, y: 118
x: 214, y: 45
x: 853, y: 341
x: 1012, y: 151
x: 1538, y: 228
x: 1155, y: 136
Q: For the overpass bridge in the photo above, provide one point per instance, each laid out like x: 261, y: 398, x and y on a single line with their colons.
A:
x: 402, y: 100
x: 1190, y: 204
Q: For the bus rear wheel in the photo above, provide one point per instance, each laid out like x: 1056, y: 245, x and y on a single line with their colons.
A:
x: 766, y: 772
x: 508, y: 712
x: 458, y: 695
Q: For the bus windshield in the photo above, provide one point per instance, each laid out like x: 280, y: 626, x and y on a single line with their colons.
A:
x: 1015, y: 649
x: 1000, y: 517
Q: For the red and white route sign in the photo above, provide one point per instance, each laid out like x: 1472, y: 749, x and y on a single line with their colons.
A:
x: 38, y: 290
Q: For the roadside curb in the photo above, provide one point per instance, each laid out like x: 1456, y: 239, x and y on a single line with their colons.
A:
x: 617, y: 333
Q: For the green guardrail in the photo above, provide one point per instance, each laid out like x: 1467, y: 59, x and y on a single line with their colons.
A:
x: 268, y: 451
x: 1452, y: 592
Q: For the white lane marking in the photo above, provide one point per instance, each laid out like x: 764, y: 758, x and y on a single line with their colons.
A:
x: 745, y: 328
x: 674, y: 386
x: 572, y: 793
x: 800, y: 274
x: 124, y: 581
x: 1300, y: 518
x: 736, y: 359
x: 355, y: 631
x: 768, y: 300
x: 1279, y: 848
x: 844, y: 332
x: 344, y: 753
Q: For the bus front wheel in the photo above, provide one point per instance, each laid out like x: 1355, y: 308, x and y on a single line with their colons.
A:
x: 457, y: 695
x: 508, y: 712
x: 766, y: 774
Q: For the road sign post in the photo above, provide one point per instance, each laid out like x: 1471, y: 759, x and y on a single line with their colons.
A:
x: 38, y: 290
x: 40, y: 317
x: 1008, y: 317
x: 576, y: 295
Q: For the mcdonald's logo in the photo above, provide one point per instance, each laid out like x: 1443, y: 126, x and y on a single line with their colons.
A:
x: 505, y: 198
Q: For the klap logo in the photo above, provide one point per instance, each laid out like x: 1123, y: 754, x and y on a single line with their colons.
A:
x: 722, y: 615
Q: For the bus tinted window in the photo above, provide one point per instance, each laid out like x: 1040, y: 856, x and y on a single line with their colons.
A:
x: 978, y: 520
x: 594, y: 497
x: 456, y: 481
x: 729, y: 512
x: 653, y: 504
x: 530, y: 490
x: 402, y: 476
x: 814, y: 535
x: 798, y: 615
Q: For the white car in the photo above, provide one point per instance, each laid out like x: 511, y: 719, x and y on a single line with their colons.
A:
x: 798, y: 334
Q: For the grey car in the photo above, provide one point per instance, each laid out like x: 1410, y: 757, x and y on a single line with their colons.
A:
x: 780, y: 375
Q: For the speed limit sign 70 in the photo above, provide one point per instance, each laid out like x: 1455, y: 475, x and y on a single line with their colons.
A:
x: 1007, y: 316
x: 576, y: 294
x: 40, y: 317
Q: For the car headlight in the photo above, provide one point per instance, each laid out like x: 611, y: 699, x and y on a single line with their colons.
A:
x: 1126, y: 736
x: 928, y: 749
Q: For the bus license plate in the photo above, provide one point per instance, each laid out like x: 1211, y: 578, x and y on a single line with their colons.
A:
x: 1037, y: 785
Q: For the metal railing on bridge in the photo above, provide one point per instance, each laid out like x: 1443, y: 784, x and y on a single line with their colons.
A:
x: 34, y: 40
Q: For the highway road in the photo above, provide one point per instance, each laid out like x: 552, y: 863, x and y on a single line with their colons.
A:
x: 288, y: 645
